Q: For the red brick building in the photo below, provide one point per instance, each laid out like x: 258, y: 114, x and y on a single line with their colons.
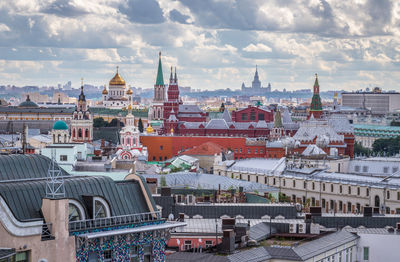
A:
x: 253, y: 114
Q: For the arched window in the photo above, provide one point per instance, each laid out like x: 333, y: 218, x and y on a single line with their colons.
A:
x: 73, y: 133
x: 79, y: 132
x: 128, y: 141
x: 87, y: 132
x: 54, y: 138
x: 65, y: 139
x: 59, y: 138
x: 100, y: 208
x: 377, y: 201
x: 134, y: 141
x: 159, y: 113
x: 75, y: 211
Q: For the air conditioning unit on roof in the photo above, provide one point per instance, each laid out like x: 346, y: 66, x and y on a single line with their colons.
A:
x: 292, y: 228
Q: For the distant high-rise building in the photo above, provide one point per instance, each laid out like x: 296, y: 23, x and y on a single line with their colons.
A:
x: 256, y: 88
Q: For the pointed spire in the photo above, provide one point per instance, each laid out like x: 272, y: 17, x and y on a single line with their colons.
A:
x: 160, y: 78
x: 278, y: 119
x: 59, y: 99
x: 82, y: 95
x: 171, y: 78
x: 176, y: 78
x: 316, y: 84
x: 28, y: 99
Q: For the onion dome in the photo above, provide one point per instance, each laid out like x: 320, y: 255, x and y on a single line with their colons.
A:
x: 149, y: 129
x: 60, y: 125
x: 129, y: 92
x: 117, y: 80
x: 130, y: 107
x: 28, y: 103
x: 105, y: 92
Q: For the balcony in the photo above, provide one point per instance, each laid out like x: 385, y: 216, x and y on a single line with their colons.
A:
x: 90, y: 224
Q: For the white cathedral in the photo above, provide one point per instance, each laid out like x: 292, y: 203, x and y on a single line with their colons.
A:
x: 117, y: 96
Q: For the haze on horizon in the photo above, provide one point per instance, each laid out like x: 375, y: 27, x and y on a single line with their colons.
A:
x: 214, y: 43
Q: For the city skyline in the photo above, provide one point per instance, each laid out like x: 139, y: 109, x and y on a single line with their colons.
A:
x: 46, y: 43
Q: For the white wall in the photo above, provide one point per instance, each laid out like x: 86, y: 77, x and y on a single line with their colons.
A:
x: 382, y: 247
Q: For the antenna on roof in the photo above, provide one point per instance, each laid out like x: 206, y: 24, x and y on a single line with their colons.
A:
x: 55, y: 182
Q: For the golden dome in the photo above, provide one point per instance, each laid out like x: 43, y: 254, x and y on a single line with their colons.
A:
x: 105, y: 92
x: 130, y: 107
x: 117, y: 80
x: 149, y: 129
x: 129, y: 92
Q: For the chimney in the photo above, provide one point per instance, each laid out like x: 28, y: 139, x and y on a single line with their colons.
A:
x: 181, y: 217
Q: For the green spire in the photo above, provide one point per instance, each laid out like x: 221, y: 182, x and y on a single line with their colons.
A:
x: 316, y: 84
x: 316, y: 104
x: 160, y: 78
x: 278, y: 119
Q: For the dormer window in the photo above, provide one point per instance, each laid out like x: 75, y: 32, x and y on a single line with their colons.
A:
x: 100, y: 208
x: 75, y: 211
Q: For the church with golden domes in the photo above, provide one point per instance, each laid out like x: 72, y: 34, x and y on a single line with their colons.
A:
x: 117, y: 96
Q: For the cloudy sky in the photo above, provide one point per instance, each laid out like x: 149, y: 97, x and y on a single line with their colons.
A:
x: 214, y: 43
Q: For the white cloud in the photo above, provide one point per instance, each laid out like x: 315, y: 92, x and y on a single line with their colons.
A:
x: 257, y: 48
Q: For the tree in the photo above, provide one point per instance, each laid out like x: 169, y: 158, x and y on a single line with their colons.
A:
x: 360, y: 150
x: 394, y: 123
x: 163, y: 181
x: 140, y: 125
x: 387, y: 146
x: 99, y: 122
x: 222, y: 108
x: 114, y: 123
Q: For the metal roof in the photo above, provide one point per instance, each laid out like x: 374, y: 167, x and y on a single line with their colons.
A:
x: 198, y: 257
x: 23, y: 186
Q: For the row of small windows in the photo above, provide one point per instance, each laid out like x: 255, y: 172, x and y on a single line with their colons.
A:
x: 349, y: 189
x: 244, y: 116
x: 385, y: 169
x: 256, y: 150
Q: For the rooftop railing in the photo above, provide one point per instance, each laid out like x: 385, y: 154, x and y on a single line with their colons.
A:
x: 96, y: 223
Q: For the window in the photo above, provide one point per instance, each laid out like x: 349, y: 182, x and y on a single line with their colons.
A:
x: 147, y: 251
x: 398, y: 195
x: 365, y: 169
x: 367, y: 192
x: 100, y: 208
x: 161, y: 147
x: 274, y: 181
x: 395, y: 169
x: 261, y: 151
x: 305, y: 184
x: 63, y: 158
x: 75, y: 211
x: 366, y: 253
x: 313, y: 186
x: 22, y: 256
x: 107, y: 255
x: 323, y: 187
x: 240, y: 150
x: 331, y: 187
x: 340, y: 205
x: 349, y: 190
x: 386, y: 169
x: 357, y: 169
x: 349, y: 207
x: 244, y: 117
x: 188, y: 244
x: 133, y: 254
x: 340, y: 189
x: 332, y: 204
x: 236, y: 150
x: 249, y: 150
x: 266, y: 182
x: 358, y: 191
x: 388, y: 194
x: 255, y: 151
x: 284, y: 182
x: 253, y: 116
x: 323, y: 203
x: 294, y: 183
x: 208, y: 244
x: 160, y: 158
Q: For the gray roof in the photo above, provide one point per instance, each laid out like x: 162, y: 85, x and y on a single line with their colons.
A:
x: 261, y: 231
x: 323, y: 244
x: 189, y: 109
x: 302, y: 252
x: 251, y: 255
x: 24, y: 197
x: 208, y: 181
x: 226, y: 116
x: 190, y: 256
x: 340, y: 123
x: 44, y: 110
x: 217, y: 124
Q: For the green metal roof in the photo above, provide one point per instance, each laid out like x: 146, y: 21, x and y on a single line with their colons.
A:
x: 24, y: 198
x: 60, y: 125
x: 359, y: 127
x: 160, y: 78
